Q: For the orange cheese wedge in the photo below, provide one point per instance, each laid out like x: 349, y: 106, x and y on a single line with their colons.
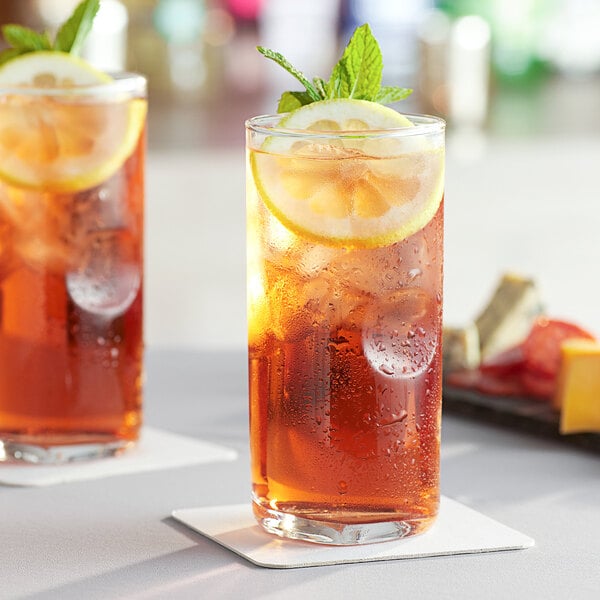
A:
x: 578, y: 387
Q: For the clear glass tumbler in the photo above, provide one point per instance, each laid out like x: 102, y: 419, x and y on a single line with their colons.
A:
x: 71, y: 269
x: 345, y: 261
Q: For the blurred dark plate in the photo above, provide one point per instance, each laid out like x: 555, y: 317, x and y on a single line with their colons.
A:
x: 519, y: 414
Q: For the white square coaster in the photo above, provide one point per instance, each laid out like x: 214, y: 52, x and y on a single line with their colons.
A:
x: 155, y: 450
x: 457, y: 530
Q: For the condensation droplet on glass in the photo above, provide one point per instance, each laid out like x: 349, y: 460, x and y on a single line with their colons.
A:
x: 386, y: 369
x: 414, y: 273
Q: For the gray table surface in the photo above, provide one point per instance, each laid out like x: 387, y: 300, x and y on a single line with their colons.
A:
x: 113, y: 538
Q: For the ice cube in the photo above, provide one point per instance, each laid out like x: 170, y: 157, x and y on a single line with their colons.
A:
x: 103, y: 296
x: 296, y: 306
x: 100, y: 208
x: 107, y: 281
x: 373, y: 272
x: 401, y: 333
x: 313, y: 259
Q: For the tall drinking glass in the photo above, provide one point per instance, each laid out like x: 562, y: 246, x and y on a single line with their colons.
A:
x: 345, y: 239
x: 71, y: 269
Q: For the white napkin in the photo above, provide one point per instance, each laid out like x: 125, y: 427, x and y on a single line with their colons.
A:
x: 457, y: 530
x: 155, y: 450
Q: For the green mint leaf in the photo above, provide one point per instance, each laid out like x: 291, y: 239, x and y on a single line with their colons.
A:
x: 290, y: 101
x: 25, y: 39
x: 321, y: 87
x: 283, y: 62
x: 389, y: 94
x: 72, y: 34
x: 358, y: 72
x: 339, y: 83
x: 356, y: 75
x: 10, y: 53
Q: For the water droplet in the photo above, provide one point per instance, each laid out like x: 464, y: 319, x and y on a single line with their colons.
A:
x: 342, y: 487
x: 414, y: 273
x: 395, y: 418
x: 386, y: 369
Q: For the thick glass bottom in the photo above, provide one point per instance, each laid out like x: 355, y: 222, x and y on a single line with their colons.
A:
x: 59, y: 449
x: 350, y: 529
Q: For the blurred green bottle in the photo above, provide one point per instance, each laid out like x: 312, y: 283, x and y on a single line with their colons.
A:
x: 517, y: 31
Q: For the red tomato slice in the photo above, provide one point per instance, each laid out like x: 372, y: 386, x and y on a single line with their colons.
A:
x: 538, y: 386
x: 541, y: 348
x: 508, y: 362
x: 493, y: 385
x: 464, y: 379
x: 505, y: 385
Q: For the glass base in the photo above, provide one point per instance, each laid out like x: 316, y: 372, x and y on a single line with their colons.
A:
x: 328, y: 531
x: 56, y: 450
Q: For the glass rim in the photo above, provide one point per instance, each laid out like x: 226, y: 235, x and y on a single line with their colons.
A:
x: 122, y: 83
x: 423, y: 125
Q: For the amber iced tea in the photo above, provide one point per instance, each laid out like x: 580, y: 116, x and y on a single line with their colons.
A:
x: 71, y: 272
x: 345, y: 334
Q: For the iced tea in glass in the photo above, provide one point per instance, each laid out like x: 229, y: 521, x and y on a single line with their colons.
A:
x: 71, y: 268
x: 345, y: 238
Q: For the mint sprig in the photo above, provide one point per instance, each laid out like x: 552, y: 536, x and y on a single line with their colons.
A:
x: 72, y: 33
x: 356, y: 75
x: 389, y: 94
x: 69, y: 38
x: 23, y: 38
x: 313, y: 94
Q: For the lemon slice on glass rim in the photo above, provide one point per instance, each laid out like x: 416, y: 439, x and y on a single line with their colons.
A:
x: 350, y: 173
x: 64, y: 126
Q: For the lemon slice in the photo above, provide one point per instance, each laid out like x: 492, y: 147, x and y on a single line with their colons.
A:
x: 366, y: 188
x: 62, y: 142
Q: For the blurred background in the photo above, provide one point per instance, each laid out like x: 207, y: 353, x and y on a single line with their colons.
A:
x: 510, y: 67
x: 517, y: 80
